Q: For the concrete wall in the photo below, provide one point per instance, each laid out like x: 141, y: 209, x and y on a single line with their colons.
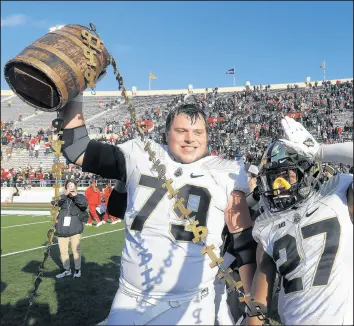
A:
x: 35, y: 195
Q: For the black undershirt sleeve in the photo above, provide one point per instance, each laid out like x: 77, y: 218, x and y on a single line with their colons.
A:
x: 105, y: 160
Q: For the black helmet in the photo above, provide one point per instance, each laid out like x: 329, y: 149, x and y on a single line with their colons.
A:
x: 286, y: 177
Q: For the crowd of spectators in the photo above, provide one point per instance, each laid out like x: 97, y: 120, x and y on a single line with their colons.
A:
x: 251, y: 119
x: 28, y: 177
x: 13, y: 137
x: 242, y: 125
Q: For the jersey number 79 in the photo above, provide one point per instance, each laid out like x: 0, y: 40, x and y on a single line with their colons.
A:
x: 200, y: 194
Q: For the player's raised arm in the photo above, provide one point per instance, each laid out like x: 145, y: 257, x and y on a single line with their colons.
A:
x: 239, y: 223
x: 105, y: 160
x: 75, y: 134
x: 337, y: 153
x: 263, y: 282
x: 298, y: 137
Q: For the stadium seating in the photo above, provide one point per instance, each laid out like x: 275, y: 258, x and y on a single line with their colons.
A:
x: 250, y: 106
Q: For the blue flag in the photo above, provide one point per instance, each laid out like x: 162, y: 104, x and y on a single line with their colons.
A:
x: 230, y: 71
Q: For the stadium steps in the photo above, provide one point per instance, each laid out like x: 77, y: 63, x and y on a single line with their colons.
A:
x: 20, y: 158
x: 32, y: 121
x: 11, y: 113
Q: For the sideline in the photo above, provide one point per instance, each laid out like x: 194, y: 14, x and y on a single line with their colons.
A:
x: 13, y: 226
x: 23, y: 212
x: 7, y: 98
x: 19, y: 215
x: 55, y: 244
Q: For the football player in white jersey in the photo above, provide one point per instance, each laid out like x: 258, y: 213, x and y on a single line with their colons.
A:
x: 164, y: 277
x: 305, y: 231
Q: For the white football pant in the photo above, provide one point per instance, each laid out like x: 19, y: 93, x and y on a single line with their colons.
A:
x: 130, y: 309
x: 223, y: 314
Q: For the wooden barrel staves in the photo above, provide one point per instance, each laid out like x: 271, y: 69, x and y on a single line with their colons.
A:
x: 53, y: 70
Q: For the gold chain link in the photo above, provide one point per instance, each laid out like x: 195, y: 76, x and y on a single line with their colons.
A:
x: 56, y: 144
x: 199, y: 232
x: 93, y: 45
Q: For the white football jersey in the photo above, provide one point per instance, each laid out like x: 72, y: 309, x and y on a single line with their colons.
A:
x: 312, y: 247
x: 159, y: 258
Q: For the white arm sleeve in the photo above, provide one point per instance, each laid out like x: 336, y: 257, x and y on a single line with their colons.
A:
x: 339, y: 153
x: 241, y: 180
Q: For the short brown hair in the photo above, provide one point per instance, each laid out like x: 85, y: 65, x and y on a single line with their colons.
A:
x: 191, y: 110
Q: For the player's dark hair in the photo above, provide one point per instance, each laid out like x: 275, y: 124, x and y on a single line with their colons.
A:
x: 191, y: 110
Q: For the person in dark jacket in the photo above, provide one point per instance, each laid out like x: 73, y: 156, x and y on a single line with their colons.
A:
x: 70, y: 225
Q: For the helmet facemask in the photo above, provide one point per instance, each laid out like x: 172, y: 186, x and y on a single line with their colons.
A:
x: 286, y: 178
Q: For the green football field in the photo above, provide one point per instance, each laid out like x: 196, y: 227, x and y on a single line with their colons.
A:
x: 67, y: 301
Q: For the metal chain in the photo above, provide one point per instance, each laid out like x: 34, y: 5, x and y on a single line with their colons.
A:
x: 256, y: 308
x: 37, y: 282
x: 199, y: 232
x: 93, y: 29
x: 56, y: 144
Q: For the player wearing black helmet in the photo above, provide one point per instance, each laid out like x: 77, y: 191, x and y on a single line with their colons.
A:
x: 287, y: 177
x: 305, y: 232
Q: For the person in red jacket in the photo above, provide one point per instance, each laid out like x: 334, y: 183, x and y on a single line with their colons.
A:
x: 105, y: 196
x: 93, y: 195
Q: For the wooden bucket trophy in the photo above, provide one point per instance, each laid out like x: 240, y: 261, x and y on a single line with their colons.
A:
x: 53, y: 70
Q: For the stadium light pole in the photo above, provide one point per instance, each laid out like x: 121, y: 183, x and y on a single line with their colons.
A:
x: 234, y: 76
x: 323, y: 66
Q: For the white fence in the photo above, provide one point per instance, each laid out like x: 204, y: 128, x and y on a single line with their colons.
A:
x: 41, y: 195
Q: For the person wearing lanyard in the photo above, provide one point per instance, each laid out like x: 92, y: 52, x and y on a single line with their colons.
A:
x: 70, y: 225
